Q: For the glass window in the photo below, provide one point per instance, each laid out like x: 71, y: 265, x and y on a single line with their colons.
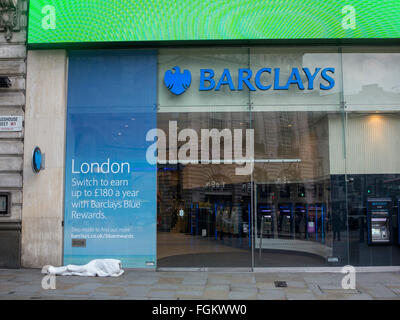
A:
x: 372, y: 98
x: 314, y: 75
x: 203, y: 214
x: 371, y: 79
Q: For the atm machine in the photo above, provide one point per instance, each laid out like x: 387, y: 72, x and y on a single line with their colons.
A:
x: 379, y: 221
x: 223, y: 222
x: 311, y: 221
x: 300, y: 224
x: 194, y: 218
x: 247, y: 224
x: 216, y: 217
x: 265, y: 220
x: 206, y: 219
x: 285, y: 220
x: 315, y: 223
x: 236, y: 221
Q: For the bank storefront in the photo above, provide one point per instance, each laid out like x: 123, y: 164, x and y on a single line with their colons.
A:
x: 214, y: 155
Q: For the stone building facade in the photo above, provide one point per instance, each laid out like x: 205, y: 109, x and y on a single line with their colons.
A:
x: 13, y: 25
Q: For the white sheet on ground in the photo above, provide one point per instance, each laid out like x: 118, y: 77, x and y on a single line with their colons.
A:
x: 95, y: 268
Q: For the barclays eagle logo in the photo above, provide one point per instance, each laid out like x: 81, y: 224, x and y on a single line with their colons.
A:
x: 177, y: 82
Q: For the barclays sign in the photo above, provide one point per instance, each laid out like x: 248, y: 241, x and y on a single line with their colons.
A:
x: 304, y: 79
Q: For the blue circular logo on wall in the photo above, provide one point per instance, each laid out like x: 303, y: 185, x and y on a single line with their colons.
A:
x: 37, y: 160
x: 177, y: 82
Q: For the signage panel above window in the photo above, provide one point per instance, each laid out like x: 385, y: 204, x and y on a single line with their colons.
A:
x: 88, y: 21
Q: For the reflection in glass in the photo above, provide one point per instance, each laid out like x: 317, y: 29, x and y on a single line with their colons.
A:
x: 203, y: 209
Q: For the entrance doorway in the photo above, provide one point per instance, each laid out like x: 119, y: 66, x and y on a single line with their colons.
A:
x: 205, y: 226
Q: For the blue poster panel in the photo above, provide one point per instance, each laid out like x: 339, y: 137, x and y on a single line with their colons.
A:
x: 110, y: 188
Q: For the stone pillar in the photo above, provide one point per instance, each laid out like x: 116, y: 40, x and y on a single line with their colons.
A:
x: 45, y: 122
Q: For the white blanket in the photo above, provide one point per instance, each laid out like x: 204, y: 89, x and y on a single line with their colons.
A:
x: 95, y: 268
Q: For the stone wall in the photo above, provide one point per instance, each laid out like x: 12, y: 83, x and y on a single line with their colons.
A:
x: 12, y: 102
x: 45, y: 120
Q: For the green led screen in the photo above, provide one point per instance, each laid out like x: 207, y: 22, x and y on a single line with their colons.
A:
x: 71, y: 21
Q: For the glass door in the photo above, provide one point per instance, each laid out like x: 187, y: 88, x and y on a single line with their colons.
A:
x: 204, y: 207
x: 299, y: 187
x: 299, y: 206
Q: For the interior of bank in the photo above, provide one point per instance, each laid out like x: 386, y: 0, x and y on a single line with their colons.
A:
x: 296, y: 208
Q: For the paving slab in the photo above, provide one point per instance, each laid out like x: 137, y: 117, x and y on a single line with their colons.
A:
x: 395, y: 290
x: 266, y: 285
x: 146, y: 281
x: 379, y: 291
x: 189, y: 294
x: 170, y: 280
x: 242, y: 295
x: 137, y: 290
x: 300, y: 296
x: 216, y: 281
x: 234, y: 288
x: 110, y: 291
x: 272, y: 295
x: 194, y: 281
x: 165, y: 286
x: 361, y: 296
x: 296, y: 284
x: 161, y: 294
x: 216, y: 292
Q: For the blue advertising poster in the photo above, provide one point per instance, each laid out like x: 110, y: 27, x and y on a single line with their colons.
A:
x: 110, y: 188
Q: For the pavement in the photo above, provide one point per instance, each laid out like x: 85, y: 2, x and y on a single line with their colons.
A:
x: 26, y: 284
